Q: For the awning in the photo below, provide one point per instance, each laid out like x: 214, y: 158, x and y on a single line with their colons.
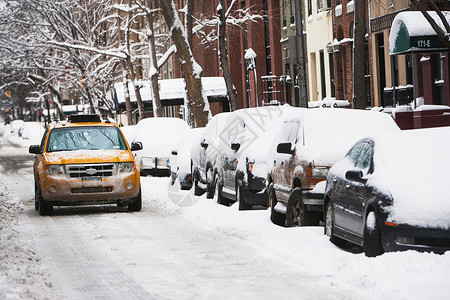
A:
x: 411, y: 32
x: 171, y: 92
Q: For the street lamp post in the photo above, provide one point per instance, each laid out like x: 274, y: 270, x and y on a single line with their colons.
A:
x: 250, y: 57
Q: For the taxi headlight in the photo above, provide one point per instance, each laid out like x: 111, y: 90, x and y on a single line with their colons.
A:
x: 125, y: 167
x: 55, y: 170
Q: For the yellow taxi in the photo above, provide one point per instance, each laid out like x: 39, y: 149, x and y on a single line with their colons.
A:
x: 85, y: 161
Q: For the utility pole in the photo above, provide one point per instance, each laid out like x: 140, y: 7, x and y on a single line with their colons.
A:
x: 301, y: 63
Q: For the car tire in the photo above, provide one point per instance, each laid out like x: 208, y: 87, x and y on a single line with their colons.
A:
x: 210, y: 184
x: 276, y: 217
x: 329, y: 227
x: 197, y: 190
x: 372, y: 237
x: 136, y: 205
x: 297, y: 215
x: 37, y: 196
x: 44, y: 209
x: 221, y: 199
x: 240, y: 197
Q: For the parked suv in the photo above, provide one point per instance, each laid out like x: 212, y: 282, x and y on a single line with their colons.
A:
x: 85, y: 161
x: 309, y: 143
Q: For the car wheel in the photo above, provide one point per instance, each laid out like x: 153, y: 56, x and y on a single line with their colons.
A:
x: 37, y: 196
x: 329, y: 227
x: 136, y: 205
x: 44, y: 209
x: 240, y: 197
x: 276, y: 217
x: 197, y: 190
x: 221, y: 199
x: 372, y: 236
x: 296, y: 214
x: 210, y: 184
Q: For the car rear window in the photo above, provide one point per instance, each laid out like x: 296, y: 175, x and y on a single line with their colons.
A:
x: 85, y: 138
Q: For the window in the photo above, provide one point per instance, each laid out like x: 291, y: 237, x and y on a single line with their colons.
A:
x: 86, y: 138
x: 361, y: 156
x: 309, y: 8
x: 290, y: 132
x: 319, y: 5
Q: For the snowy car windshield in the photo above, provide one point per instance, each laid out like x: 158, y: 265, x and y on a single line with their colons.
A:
x: 86, y: 138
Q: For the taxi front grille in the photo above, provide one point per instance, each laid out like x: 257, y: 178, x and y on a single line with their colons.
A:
x: 87, y: 190
x: 90, y: 170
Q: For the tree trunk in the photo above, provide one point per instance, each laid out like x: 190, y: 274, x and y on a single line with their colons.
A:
x: 359, y: 60
x: 153, y: 72
x: 223, y: 57
x: 126, y: 93
x: 136, y: 88
x: 197, y: 102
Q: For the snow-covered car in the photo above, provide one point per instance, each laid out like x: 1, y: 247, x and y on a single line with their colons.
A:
x: 33, y: 131
x: 390, y: 193
x: 204, y: 154
x: 16, y: 127
x: 308, y: 144
x: 85, y: 161
x: 158, y: 136
x: 242, y: 166
x: 180, y: 159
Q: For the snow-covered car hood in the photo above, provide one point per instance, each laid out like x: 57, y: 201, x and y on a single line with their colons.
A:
x: 88, y: 156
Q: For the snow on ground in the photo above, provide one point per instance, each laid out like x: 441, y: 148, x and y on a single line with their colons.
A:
x: 403, y: 275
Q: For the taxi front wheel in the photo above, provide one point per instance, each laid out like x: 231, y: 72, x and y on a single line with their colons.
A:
x: 136, y: 205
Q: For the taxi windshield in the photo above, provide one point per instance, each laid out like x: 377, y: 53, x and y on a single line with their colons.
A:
x: 85, y: 138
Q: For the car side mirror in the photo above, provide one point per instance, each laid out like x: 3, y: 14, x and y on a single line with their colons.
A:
x: 235, y: 146
x: 174, y: 152
x: 135, y: 146
x: 204, y: 144
x: 355, y: 175
x: 285, y: 148
x: 35, y: 149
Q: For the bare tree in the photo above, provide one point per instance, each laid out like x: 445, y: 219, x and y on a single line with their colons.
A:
x: 197, y: 103
x: 212, y: 29
x: 153, y: 62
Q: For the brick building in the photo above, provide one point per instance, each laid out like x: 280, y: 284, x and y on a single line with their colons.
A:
x: 262, y: 36
x: 343, y: 31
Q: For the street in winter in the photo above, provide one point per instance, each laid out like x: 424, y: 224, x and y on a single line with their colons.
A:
x: 200, y: 251
x: 223, y: 149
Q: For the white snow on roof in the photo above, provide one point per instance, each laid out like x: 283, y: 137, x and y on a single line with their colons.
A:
x: 172, y: 89
x: 416, y: 24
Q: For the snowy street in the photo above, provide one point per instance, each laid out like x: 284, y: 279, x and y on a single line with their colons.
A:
x: 204, y: 251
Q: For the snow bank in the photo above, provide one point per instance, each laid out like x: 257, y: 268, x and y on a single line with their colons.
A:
x: 21, y: 275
